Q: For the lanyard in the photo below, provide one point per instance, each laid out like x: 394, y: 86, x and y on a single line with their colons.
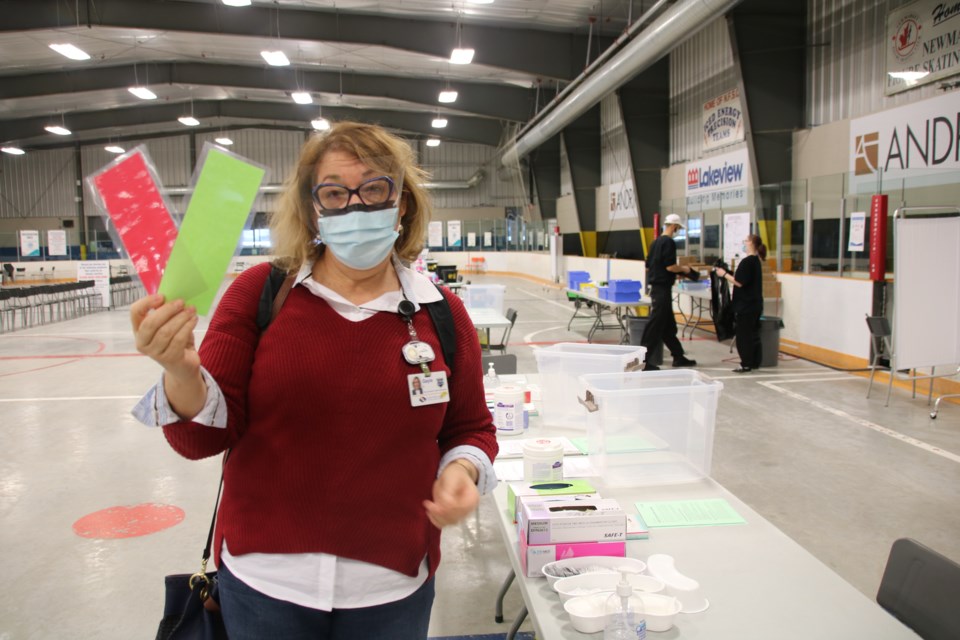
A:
x: 414, y: 352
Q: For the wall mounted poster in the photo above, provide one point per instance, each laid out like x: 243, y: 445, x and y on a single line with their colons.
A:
x: 29, y: 244
x: 435, y: 234
x: 99, y: 272
x: 56, y: 242
x: 471, y: 239
x: 736, y: 227
x: 722, y: 120
x: 453, y: 234
x: 858, y: 226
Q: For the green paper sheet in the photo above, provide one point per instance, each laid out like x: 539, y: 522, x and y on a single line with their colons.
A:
x: 222, y: 199
x: 618, y: 444
x: 689, y: 513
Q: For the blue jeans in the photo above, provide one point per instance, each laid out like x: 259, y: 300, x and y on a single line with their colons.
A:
x: 251, y: 615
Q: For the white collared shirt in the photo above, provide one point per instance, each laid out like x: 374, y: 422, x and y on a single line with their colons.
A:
x: 319, y: 580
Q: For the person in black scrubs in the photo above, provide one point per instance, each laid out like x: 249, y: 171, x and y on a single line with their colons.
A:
x: 748, y: 302
x: 662, y: 270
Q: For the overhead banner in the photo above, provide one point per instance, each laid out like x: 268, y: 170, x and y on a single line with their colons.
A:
x: 718, y: 181
x: 915, y: 138
x: 722, y: 120
x: 623, y: 201
x: 56, y: 242
x: 923, y: 44
x: 435, y: 233
x: 453, y: 234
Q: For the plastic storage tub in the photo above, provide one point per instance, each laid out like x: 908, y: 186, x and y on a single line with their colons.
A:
x: 484, y: 296
x: 574, y: 278
x: 650, y: 428
x: 561, y: 364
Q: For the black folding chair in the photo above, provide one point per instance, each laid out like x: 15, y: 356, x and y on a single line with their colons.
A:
x: 921, y: 589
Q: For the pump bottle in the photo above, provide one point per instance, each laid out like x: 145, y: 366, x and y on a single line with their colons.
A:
x: 624, y: 611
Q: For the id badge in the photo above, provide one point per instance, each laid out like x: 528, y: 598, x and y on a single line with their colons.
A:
x: 425, y: 390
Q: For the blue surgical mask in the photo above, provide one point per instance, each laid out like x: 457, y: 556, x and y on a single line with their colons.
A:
x: 360, y: 239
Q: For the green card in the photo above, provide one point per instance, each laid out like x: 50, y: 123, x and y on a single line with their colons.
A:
x: 689, y: 513
x: 222, y: 199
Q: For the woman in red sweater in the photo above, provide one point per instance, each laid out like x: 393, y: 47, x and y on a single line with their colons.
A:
x: 339, y: 478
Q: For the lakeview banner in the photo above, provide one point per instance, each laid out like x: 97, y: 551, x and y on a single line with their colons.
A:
x: 718, y: 181
x: 923, y: 44
x: 917, y: 138
x: 722, y: 120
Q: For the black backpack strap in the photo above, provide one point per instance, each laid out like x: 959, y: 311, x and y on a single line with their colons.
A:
x: 442, y: 318
x: 271, y: 287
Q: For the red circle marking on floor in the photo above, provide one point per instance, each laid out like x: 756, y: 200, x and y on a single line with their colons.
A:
x: 128, y: 522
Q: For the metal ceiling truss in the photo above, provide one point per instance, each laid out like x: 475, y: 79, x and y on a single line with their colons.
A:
x: 472, y: 130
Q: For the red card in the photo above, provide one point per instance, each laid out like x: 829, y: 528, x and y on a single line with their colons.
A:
x: 131, y: 196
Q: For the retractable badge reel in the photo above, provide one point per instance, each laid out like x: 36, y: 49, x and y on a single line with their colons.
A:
x: 427, y: 387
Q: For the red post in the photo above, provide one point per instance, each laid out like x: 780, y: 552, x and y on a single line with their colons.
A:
x: 878, y: 238
x: 656, y: 225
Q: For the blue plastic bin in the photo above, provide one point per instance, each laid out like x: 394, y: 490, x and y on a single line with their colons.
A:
x: 574, y: 278
x: 625, y: 286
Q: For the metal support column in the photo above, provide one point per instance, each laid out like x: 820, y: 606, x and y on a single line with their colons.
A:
x: 779, y: 238
x: 807, y: 236
x: 843, y: 226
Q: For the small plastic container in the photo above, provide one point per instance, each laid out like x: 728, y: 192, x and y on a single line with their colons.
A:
x: 558, y: 569
x: 542, y: 460
x: 484, y: 296
x: 651, y: 427
x: 590, y: 583
x: 508, y: 409
x: 561, y: 365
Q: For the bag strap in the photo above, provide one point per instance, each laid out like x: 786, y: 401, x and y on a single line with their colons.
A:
x: 442, y: 318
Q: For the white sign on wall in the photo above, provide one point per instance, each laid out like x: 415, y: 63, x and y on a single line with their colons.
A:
x: 623, y: 201
x: 922, y: 44
x: 488, y: 238
x: 471, y: 239
x: 99, y: 272
x: 56, y: 242
x: 453, y: 233
x: 29, y: 244
x: 858, y: 227
x: 722, y: 120
x: 435, y: 233
x: 736, y: 227
x: 718, y: 181
x: 918, y: 137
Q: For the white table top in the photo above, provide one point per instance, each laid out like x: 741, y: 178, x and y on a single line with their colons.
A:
x: 484, y: 318
x: 761, y: 585
x: 609, y: 303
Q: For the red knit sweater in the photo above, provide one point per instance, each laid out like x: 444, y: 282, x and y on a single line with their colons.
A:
x: 327, y: 453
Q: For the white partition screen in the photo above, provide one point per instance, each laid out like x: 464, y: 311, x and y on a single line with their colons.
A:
x: 926, y: 286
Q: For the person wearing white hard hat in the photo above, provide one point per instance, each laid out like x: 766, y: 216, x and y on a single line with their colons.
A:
x: 662, y: 270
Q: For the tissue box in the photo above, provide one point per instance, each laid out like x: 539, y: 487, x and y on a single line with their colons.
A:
x: 585, y: 520
x: 517, y: 490
x: 534, y: 557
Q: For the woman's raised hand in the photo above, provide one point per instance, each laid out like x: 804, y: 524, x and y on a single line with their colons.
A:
x: 164, y: 332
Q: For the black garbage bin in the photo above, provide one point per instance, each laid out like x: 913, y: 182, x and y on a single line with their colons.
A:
x: 770, y: 339
x: 635, y: 328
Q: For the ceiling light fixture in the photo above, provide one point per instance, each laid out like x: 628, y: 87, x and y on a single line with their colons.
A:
x: 143, y: 93
x: 461, y: 56
x: 447, y: 96
x: 439, y: 123
x: 320, y: 124
x: 14, y: 151
x: 190, y: 121
x: 480, y: 1
x: 70, y: 51
x: 302, y: 97
x: 237, y: 3
x: 275, y: 58
x: 57, y: 129
x: 224, y: 140
x: 112, y: 148
x: 433, y: 142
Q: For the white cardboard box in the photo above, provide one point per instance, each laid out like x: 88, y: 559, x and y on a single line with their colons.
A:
x: 587, y: 519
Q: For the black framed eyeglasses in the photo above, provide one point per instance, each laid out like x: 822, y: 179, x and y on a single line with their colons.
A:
x: 330, y: 195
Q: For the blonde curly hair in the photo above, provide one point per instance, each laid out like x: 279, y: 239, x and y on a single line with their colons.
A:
x: 293, y: 226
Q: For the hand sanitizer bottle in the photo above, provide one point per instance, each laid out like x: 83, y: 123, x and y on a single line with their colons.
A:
x: 491, y: 381
x: 624, y: 612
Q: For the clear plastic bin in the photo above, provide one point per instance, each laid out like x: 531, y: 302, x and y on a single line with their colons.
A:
x: 561, y: 364
x: 650, y: 428
x: 484, y: 296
